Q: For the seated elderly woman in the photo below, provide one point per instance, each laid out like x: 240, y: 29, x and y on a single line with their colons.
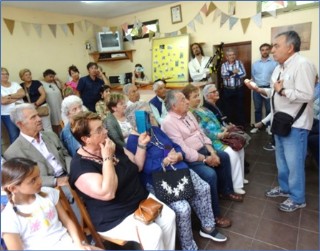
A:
x: 70, y: 106
x: 155, y: 158
x: 116, y: 123
x: 107, y: 178
x: 212, y: 128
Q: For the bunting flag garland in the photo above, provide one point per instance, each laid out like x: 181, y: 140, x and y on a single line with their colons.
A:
x: 71, y: 27
x: 245, y: 23
x: 26, y: 28
x: 38, y: 29
x: 64, y: 28
x: 53, y: 29
x: 10, y: 24
x: 199, y: 18
x: 211, y: 8
x: 79, y: 25
x: 223, y: 19
x: 257, y: 19
x: 192, y: 26
x: 204, y: 9
x: 232, y: 22
x: 217, y: 13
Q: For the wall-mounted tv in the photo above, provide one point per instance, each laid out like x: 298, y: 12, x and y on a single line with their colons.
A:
x: 109, y: 41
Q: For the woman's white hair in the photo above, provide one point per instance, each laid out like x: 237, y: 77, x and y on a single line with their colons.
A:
x: 130, y: 111
x: 65, y: 106
x: 206, y: 89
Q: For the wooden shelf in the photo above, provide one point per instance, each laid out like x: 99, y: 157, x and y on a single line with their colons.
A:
x: 109, y: 56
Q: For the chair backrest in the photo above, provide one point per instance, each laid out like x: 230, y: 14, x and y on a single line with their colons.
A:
x: 87, y: 225
x: 83, y: 213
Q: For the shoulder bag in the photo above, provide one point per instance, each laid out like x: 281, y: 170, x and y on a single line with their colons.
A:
x: 42, y: 110
x: 148, y: 210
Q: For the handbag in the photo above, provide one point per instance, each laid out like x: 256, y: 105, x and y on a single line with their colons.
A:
x: 170, y: 186
x: 282, y: 122
x: 148, y: 210
x: 235, y: 141
x: 42, y: 110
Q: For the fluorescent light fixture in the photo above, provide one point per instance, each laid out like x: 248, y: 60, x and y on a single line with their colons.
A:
x: 92, y: 1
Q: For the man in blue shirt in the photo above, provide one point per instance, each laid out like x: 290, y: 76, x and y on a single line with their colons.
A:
x: 261, y: 73
x: 89, y: 87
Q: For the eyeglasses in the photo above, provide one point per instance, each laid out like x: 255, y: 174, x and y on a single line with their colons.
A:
x: 216, y: 91
x: 99, y: 130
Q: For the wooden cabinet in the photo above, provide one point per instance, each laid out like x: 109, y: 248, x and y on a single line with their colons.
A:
x: 112, y: 56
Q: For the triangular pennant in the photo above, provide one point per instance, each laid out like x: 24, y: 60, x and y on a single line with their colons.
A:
x: 257, y: 19
x: 245, y: 23
x: 211, y: 8
x: 129, y: 38
x: 144, y: 30
x: 53, y: 29
x: 87, y: 24
x: 137, y: 24
x: 26, y: 27
x: 183, y: 30
x: 232, y: 8
x: 114, y: 29
x: 79, y: 25
x: 10, y: 24
x: 217, y: 13
x: 174, y: 33
x: 71, y: 27
x: 223, y: 19
x: 232, y: 22
x: 273, y: 13
x: 199, y: 18
x: 64, y: 28
x: 204, y: 9
x: 192, y: 26
x: 151, y: 34
x: 125, y: 27
x: 38, y: 29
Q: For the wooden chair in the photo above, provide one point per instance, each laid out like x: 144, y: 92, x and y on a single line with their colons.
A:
x: 85, y: 227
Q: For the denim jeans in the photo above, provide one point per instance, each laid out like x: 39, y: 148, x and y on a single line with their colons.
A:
x: 291, y: 153
x: 12, y: 129
x: 258, y: 103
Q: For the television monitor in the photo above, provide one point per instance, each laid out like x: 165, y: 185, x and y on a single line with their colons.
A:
x: 109, y: 41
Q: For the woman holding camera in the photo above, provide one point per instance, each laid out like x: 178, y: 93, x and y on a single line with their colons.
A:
x: 138, y: 76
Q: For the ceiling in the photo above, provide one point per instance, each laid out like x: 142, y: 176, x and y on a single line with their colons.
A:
x: 98, y: 9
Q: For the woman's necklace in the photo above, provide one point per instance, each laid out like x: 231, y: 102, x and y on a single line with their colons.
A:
x: 157, y: 142
x: 94, y: 155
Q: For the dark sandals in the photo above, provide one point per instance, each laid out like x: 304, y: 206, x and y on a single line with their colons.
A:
x: 232, y: 197
x: 222, y: 222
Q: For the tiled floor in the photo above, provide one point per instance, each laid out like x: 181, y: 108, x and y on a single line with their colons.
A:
x: 257, y: 222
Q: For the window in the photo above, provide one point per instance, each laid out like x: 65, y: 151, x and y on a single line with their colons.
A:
x: 284, y: 6
x: 137, y: 33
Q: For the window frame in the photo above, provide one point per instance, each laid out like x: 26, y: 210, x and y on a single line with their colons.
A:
x: 155, y: 21
x: 292, y: 6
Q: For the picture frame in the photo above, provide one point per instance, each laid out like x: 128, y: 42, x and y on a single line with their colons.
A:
x: 176, y: 15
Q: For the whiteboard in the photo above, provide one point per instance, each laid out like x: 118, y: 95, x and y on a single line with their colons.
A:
x: 170, y: 57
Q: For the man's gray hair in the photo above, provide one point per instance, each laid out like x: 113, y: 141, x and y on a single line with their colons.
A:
x: 171, y: 99
x: 16, y: 114
x: 126, y: 89
x: 67, y: 102
x: 206, y: 89
x: 157, y: 85
x: 293, y: 38
x: 130, y: 111
x: 230, y: 50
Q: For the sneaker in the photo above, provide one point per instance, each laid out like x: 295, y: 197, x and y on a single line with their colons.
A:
x: 269, y: 147
x: 268, y: 130
x: 215, y: 235
x: 290, y: 206
x: 245, y: 182
x: 276, y: 192
x: 254, y: 130
x: 239, y: 191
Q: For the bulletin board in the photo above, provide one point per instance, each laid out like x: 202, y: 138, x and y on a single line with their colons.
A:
x: 170, y: 57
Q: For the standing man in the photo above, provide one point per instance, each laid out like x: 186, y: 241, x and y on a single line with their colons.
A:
x: 157, y: 105
x: 261, y: 73
x: 89, y: 87
x: 292, y: 84
x: 232, y: 73
x: 199, y: 65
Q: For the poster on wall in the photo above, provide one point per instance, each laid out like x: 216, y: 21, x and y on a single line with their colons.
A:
x: 304, y: 31
x: 170, y: 56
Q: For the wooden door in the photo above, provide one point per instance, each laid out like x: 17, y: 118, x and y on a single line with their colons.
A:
x: 243, y: 53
